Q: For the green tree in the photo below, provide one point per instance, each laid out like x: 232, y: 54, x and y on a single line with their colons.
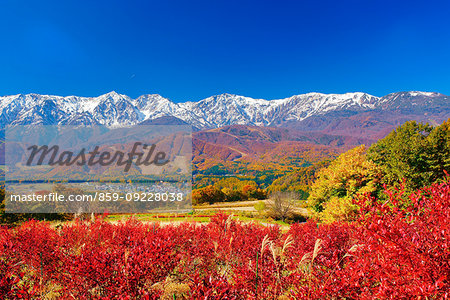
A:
x: 439, y: 151
x: 414, y: 152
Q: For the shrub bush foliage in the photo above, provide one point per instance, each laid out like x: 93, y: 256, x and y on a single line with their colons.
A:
x: 388, y: 252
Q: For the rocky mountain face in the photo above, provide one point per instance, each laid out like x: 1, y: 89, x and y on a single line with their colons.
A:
x: 230, y: 127
x: 312, y: 111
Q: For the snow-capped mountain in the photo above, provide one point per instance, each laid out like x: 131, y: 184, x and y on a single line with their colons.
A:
x: 113, y: 109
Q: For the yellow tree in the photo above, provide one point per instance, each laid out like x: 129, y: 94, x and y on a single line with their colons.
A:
x: 348, y: 175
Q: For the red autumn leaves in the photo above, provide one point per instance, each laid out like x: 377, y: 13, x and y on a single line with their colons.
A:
x: 397, y: 248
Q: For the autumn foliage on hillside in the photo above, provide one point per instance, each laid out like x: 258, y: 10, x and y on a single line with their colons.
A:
x: 414, y: 155
x: 388, y: 252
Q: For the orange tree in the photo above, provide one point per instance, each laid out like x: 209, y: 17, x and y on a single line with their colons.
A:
x: 208, y: 194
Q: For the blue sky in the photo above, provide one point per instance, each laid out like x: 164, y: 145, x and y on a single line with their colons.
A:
x: 188, y: 50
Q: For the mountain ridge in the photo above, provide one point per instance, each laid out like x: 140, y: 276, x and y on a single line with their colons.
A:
x: 116, y: 110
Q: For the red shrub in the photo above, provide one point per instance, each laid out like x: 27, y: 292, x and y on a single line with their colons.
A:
x: 394, y: 250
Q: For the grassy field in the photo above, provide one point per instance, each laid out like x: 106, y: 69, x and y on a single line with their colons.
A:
x: 203, y: 216
x: 243, y: 211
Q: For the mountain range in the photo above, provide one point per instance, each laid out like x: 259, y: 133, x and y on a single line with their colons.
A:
x: 236, y: 128
x: 306, y: 112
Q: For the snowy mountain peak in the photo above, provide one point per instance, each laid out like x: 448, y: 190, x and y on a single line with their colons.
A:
x: 114, y: 109
x: 113, y: 96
